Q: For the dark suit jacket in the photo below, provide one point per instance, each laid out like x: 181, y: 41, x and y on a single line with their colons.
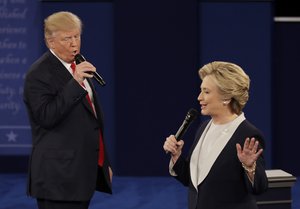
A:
x: 65, y: 135
x: 227, y: 185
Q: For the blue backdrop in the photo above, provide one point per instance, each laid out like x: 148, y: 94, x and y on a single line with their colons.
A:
x: 231, y: 31
x: 19, y: 47
x: 149, y: 53
x: 21, y: 43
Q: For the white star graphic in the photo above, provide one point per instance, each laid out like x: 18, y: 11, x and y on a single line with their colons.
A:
x: 11, y: 137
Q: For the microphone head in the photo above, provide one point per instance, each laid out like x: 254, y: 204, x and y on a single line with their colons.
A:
x: 191, y: 115
x: 79, y: 59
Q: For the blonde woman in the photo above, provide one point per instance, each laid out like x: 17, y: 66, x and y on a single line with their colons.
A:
x: 225, y: 167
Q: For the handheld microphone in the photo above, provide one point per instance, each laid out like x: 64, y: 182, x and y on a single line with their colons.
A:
x: 79, y: 59
x: 189, y: 118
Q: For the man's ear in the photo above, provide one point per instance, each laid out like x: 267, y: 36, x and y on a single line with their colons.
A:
x: 50, y: 43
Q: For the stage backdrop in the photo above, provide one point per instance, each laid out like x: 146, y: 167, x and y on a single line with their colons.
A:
x: 286, y: 109
x: 20, y: 40
x: 21, y: 43
x: 149, y: 53
x: 230, y: 31
x: 156, y: 71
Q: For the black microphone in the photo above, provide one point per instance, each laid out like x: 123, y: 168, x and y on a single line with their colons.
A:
x: 79, y: 59
x: 189, y: 118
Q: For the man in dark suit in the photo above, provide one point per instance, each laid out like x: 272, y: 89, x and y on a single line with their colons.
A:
x: 68, y: 160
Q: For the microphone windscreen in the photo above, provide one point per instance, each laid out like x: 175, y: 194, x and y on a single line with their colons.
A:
x: 192, y: 114
x: 79, y: 59
x: 189, y: 118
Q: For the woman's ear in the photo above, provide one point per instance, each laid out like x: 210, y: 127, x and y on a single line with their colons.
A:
x: 226, y: 101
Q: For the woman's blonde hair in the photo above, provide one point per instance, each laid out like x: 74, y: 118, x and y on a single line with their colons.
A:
x: 232, y: 81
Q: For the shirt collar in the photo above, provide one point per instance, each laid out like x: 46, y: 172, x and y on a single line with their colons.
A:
x: 67, y: 65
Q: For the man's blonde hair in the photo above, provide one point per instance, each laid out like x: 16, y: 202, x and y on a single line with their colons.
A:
x: 61, y: 21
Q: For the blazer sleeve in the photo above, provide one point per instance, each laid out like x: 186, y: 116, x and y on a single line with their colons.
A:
x: 260, y: 183
x: 181, y: 168
x: 182, y: 165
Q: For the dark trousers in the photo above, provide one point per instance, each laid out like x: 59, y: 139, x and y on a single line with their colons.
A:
x: 52, y: 204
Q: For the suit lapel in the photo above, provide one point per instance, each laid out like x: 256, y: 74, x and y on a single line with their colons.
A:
x: 96, y: 104
x: 63, y: 76
x: 86, y: 103
x: 60, y: 71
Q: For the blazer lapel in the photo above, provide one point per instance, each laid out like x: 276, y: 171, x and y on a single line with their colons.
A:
x: 195, y: 157
x: 198, y: 174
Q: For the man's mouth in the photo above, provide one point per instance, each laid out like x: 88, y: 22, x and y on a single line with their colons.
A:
x: 203, y: 106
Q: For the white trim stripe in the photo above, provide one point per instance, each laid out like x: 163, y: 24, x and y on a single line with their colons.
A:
x: 14, y: 127
x: 287, y: 19
x: 15, y: 145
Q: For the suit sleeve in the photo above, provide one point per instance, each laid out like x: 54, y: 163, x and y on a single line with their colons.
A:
x: 48, y: 104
